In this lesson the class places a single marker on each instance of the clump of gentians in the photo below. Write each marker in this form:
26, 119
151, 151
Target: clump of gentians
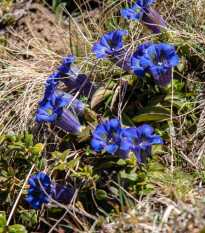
120, 141
53, 109
157, 60
111, 46
147, 14
74, 78
42, 190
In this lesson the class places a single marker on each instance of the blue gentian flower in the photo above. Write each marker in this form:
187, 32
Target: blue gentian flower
142, 49
149, 17
74, 78
111, 46
43, 191
56, 111
49, 94
55, 77
158, 62
52, 92
109, 136
77, 105
142, 141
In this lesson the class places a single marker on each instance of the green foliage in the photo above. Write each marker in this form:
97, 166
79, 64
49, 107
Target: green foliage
17, 228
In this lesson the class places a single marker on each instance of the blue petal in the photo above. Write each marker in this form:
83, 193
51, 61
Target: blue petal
155, 139
115, 125
99, 131
111, 148
145, 130
97, 145
99, 50
45, 180
136, 150
36, 205
31, 182
126, 145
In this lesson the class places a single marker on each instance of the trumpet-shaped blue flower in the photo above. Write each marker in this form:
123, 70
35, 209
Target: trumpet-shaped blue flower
51, 92
142, 49
74, 78
149, 17
158, 61
57, 112
55, 77
42, 190
109, 136
111, 46
142, 140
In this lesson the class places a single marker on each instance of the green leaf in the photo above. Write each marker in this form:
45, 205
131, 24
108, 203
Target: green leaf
10, 171
36, 149
41, 164
90, 115
19, 137
99, 96
159, 149
29, 218
17, 228
121, 162
2, 219
84, 135
61, 167
16, 148
56, 154
28, 140
2, 138
126, 120
100, 194
108, 164
114, 190
152, 113
1, 127
132, 176
65, 154
73, 162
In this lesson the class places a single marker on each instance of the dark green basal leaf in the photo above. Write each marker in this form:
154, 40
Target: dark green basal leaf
100, 194
152, 113
127, 121
108, 164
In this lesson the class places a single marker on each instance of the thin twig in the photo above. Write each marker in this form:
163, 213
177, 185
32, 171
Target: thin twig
16, 202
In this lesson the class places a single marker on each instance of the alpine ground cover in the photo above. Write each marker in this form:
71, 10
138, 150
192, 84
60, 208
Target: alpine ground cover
106, 135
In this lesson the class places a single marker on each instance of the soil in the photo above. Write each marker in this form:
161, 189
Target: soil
35, 25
